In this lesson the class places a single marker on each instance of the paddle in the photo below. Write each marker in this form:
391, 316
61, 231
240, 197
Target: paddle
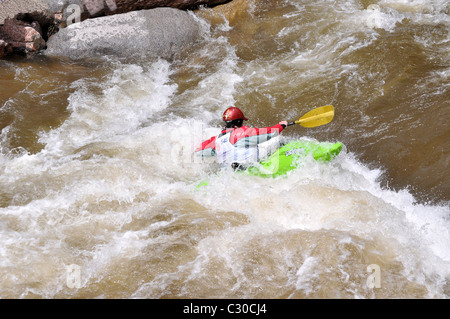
319, 116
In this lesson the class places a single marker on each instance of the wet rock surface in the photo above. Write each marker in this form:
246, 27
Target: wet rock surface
159, 32
48, 17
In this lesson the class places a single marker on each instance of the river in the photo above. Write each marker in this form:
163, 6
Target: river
98, 195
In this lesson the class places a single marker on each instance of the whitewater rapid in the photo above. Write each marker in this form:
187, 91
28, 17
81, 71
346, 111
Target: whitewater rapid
109, 206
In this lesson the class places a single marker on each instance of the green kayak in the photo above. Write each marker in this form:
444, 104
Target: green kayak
289, 156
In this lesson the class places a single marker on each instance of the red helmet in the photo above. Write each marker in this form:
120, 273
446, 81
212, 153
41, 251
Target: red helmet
233, 113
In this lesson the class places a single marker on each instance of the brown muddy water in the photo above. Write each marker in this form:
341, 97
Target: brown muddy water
98, 195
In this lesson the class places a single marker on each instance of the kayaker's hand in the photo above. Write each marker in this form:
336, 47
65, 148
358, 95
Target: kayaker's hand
284, 124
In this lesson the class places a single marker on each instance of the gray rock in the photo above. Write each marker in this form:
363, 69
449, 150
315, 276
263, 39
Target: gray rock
10, 8
159, 32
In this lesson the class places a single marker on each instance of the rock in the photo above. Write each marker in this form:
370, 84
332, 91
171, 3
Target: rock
94, 8
160, 32
29, 11
20, 31
52, 15
23, 37
5, 49
10, 8
105, 7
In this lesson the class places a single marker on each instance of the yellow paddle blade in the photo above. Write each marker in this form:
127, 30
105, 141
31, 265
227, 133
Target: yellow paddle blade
319, 116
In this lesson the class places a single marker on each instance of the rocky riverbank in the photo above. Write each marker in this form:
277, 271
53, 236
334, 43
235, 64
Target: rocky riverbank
26, 26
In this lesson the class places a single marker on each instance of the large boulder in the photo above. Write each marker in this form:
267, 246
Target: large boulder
54, 15
159, 32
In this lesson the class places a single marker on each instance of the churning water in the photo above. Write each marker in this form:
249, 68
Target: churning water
98, 195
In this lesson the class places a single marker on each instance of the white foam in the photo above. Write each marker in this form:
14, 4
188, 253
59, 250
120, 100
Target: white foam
305, 273
344, 196
130, 96
126, 150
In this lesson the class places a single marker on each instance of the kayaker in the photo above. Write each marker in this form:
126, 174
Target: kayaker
237, 144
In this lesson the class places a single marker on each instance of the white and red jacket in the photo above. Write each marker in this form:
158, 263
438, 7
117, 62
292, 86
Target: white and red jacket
238, 145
